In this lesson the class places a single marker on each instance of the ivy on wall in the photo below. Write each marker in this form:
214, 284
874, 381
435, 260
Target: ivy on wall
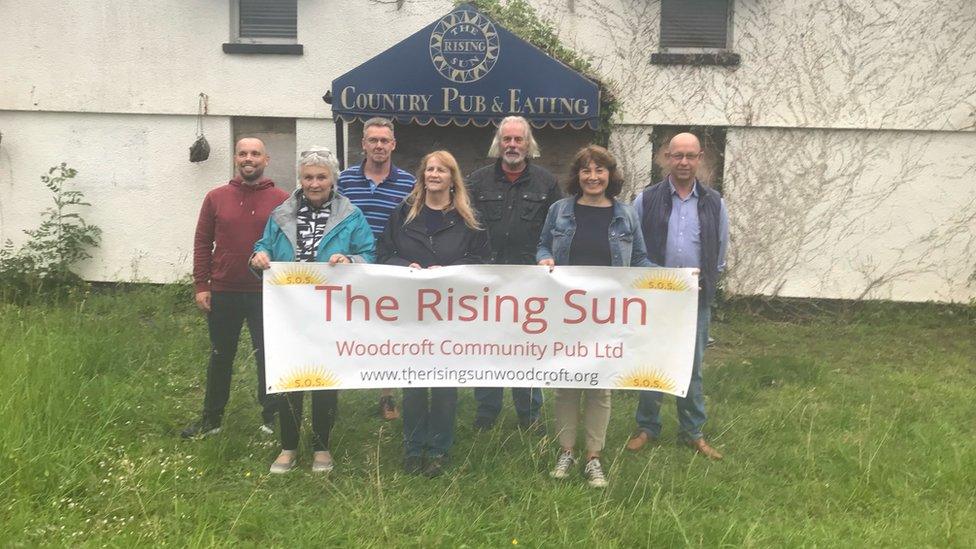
522, 20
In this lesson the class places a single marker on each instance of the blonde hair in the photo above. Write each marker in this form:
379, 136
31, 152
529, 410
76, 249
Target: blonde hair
495, 150
459, 192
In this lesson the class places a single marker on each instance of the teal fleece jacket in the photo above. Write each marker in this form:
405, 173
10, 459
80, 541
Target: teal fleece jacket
347, 232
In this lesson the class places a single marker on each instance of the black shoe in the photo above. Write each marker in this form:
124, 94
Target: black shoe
413, 465
435, 466
532, 426
482, 423
201, 429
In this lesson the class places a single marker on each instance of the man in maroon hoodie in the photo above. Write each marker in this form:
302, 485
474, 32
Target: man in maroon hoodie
231, 220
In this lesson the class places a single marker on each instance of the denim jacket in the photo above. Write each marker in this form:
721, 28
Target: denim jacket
626, 240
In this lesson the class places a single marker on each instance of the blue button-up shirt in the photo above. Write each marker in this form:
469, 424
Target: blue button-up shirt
684, 232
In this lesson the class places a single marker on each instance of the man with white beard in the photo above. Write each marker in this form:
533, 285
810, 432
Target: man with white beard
512, 196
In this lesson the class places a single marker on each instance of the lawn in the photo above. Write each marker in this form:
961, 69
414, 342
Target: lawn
842, 425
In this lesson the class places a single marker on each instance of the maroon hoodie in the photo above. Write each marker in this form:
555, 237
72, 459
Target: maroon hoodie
232, 219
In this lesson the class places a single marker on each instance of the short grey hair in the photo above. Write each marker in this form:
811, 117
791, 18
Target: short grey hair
378, 121
495, 151
322, 157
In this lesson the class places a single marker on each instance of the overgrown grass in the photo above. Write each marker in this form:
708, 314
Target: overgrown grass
850, 426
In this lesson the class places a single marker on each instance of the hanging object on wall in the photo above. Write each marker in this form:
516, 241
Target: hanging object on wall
200, 150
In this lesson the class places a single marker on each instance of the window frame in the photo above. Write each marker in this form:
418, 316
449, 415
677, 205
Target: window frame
272, 130
266, 45
714, 142
677, 55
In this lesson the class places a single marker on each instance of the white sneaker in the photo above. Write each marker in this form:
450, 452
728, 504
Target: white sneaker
322, 462
594, 474
267, 428
280, 466
564, 463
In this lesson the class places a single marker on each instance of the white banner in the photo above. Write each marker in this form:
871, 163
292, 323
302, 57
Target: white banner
376, 326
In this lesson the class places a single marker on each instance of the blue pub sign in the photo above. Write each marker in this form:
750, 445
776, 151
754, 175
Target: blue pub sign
466, 69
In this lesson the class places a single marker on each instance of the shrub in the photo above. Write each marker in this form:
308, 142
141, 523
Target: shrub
41, 268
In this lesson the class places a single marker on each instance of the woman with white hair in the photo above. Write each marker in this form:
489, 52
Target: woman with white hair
314, 224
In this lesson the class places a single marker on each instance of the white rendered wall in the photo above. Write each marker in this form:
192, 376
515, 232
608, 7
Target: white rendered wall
314, 133
852, 214
133, 169
632, 147
156, 57
826, 63
831, 63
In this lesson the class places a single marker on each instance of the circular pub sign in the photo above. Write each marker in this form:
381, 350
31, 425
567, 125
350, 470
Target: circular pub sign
464, 46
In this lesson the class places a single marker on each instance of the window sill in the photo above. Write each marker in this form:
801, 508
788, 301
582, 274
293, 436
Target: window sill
265, 49
722, 59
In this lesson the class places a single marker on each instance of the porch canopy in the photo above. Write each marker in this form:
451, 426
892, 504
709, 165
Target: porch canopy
466, 69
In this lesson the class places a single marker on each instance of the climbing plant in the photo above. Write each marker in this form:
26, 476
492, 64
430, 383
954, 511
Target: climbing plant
524, 21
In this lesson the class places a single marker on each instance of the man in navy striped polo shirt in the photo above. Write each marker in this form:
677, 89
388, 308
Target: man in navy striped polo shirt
377, 187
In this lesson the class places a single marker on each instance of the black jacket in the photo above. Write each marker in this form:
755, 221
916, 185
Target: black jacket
454, 244
513, 212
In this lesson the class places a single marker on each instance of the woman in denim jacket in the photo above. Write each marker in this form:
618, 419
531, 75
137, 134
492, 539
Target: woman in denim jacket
435, 226
589, 228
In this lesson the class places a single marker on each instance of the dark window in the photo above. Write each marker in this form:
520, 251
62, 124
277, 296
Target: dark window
268, 19
278, 135
695, 23
712, 168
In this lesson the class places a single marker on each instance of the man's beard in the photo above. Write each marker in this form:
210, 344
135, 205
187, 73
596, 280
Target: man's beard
513, 160
254, 177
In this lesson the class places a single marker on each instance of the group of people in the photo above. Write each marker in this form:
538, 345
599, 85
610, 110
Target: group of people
512, 212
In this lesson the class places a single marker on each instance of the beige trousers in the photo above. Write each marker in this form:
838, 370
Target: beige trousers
596, 416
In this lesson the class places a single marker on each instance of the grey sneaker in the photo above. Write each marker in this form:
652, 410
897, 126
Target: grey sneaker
322, 462
200, 429
594, 474
285, 462
564, 463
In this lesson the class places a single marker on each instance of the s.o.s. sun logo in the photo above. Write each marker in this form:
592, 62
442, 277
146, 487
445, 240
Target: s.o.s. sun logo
312, 377
661, 281
296, 275
646, 378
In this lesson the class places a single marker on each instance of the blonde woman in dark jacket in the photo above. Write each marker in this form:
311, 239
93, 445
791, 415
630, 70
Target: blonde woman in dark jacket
435, 226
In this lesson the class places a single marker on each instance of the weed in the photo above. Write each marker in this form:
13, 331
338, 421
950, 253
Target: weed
41, 268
